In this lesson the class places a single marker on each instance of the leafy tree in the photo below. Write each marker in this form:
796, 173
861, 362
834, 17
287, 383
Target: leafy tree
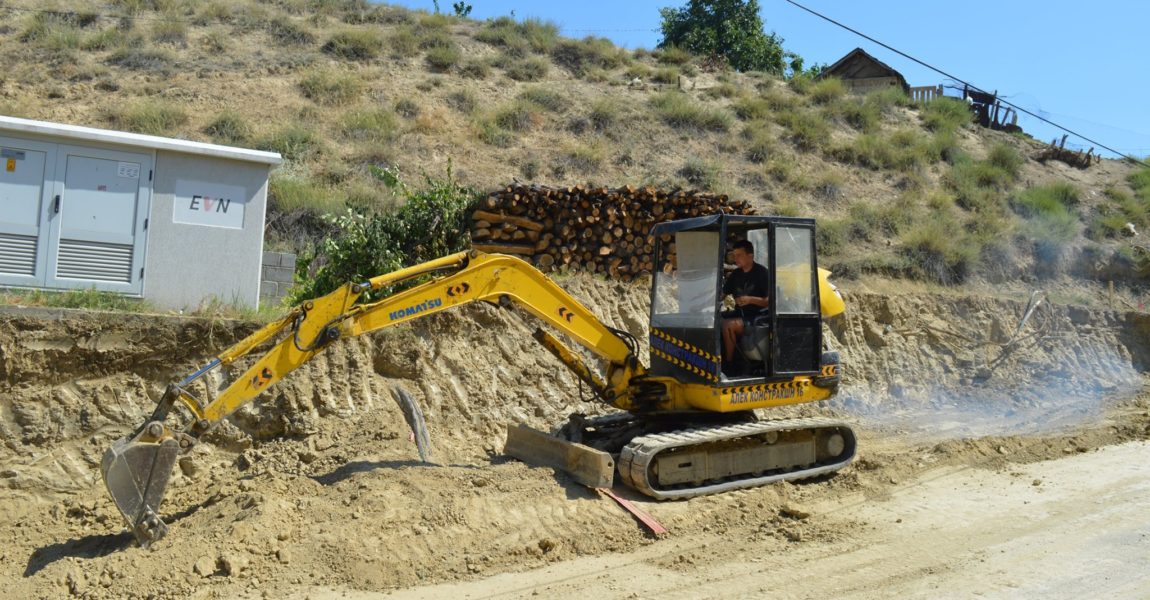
731, 29
432, 222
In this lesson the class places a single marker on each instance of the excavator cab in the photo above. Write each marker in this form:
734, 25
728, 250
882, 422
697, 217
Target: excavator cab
687, 303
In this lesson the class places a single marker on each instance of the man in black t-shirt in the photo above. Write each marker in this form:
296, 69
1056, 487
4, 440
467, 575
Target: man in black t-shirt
750, 287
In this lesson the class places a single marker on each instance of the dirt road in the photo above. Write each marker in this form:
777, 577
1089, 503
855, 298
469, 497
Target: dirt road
314, 490
1070, 528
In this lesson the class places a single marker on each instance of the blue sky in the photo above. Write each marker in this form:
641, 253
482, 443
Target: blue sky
1077, 63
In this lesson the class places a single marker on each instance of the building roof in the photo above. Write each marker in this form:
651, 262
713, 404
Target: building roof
857, 64
14, 125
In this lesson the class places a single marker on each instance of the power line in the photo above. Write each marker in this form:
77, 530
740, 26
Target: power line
970, 85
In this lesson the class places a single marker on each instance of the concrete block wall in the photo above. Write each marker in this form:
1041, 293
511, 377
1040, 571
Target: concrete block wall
276, 277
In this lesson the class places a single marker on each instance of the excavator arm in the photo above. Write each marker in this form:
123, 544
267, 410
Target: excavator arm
136, 469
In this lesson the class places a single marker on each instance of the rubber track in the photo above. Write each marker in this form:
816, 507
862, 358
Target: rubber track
636, 457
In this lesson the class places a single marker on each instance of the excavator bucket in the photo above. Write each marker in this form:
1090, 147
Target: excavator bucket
136, 474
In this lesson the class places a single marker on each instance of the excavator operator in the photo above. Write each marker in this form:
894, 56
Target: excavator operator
749, 285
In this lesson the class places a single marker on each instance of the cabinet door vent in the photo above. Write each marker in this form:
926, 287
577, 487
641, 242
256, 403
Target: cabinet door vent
17, 254
95, 261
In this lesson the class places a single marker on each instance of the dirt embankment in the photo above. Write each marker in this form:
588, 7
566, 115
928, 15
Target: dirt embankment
317, 484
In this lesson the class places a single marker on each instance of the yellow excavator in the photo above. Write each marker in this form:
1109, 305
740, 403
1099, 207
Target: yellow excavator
685, 424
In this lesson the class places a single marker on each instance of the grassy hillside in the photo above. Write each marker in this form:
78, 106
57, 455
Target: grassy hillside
340, 86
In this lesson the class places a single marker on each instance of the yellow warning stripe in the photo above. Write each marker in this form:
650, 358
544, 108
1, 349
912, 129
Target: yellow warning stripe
684, 365
797, 384
680, 343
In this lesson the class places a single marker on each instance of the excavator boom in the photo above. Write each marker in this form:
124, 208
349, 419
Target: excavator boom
136, 469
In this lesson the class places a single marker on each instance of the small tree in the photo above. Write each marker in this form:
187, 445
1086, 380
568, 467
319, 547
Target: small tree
431, 223
731, 29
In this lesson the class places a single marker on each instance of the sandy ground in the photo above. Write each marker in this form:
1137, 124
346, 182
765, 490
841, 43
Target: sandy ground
1069, 528
316, 491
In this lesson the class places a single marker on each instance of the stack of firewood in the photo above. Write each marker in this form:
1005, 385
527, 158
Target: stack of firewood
592, 229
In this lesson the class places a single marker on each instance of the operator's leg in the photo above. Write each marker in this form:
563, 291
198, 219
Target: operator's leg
732, 329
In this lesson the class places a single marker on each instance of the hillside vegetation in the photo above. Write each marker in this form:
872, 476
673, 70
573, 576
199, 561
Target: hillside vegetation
345, 90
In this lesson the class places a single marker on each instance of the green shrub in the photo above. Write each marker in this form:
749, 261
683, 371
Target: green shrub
859, 114
435, 39
442, 59
668, 75
142, 59
465, 101
526, 69
293, 142
673, 55
597, 75
801, 83
701, 174
169, 32
435, 21
432, 222
404, 43
518, 115
407, 108
105, 39
1140, 181
760, 142
779, 102
828, 90
833, 237
723, 90
355, 44
546, 98
604, 114
580, 56
48, 24
586, 158
946, 114
1048, 222
1121, 208
678, 111
489, 132
152, 118
885, 99
292, 194
475, 69
638, 70
289, 33
936, 251
229, 128
531, 35
220, 12
806, 130
902, 150
376, 125
1006, 158
982, 174
1053, 198
328, 87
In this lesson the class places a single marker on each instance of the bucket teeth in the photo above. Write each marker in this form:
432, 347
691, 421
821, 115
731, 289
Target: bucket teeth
136, 474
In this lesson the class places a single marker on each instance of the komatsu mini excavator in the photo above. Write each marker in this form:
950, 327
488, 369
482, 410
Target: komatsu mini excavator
685, 424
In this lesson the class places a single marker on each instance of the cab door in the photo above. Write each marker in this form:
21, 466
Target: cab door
797, 343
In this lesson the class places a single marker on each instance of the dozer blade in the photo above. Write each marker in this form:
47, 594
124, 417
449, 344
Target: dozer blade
136, 474
588, 466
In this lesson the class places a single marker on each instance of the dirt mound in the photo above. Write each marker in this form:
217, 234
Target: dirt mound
317, 485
